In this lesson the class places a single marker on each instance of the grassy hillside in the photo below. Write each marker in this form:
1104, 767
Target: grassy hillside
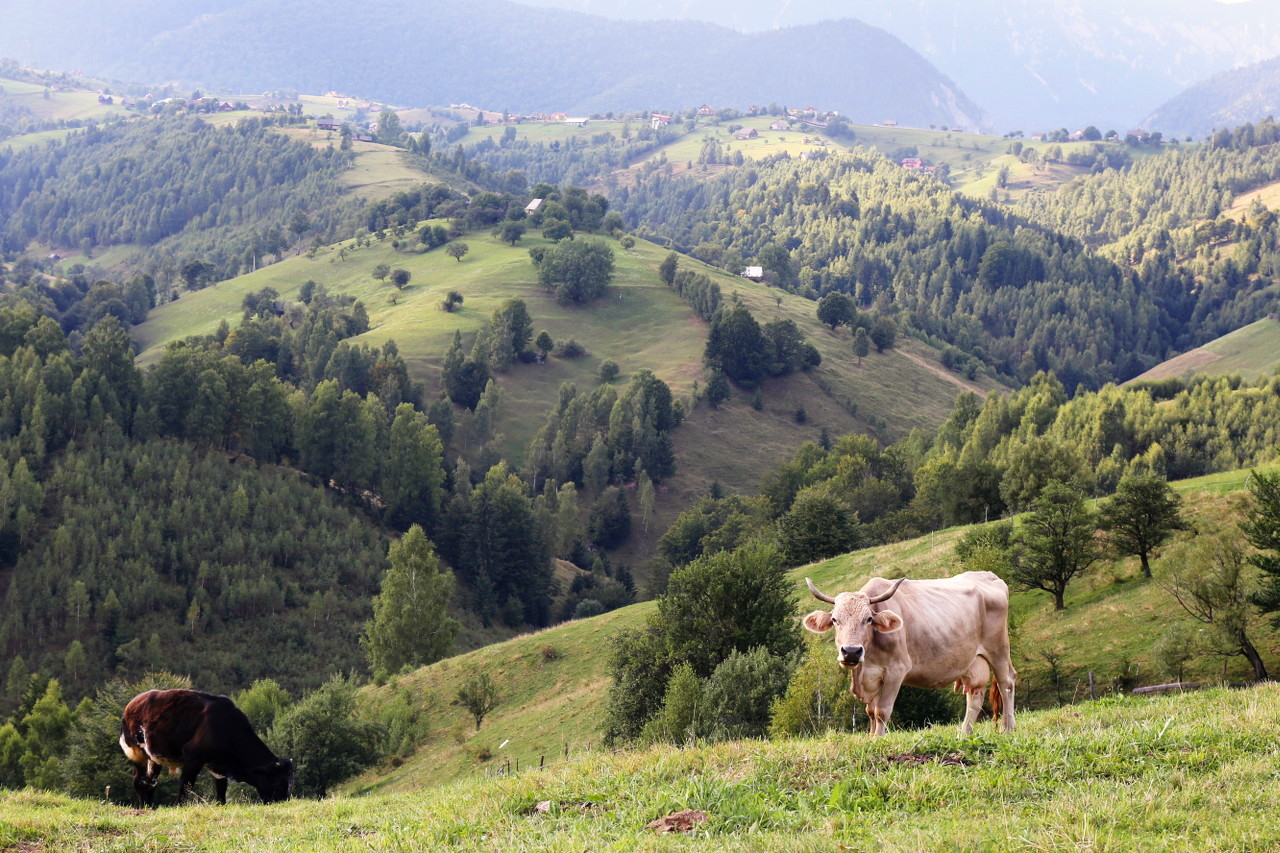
638, 323
1251, 351
554, 682
1179, 772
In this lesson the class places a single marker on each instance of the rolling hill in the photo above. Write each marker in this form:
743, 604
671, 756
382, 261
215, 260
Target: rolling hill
1250, 352
554, 682
639, 323
495, 53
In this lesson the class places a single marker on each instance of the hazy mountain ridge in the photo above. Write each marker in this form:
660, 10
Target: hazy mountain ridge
1228, 99
506, 56
1033, 65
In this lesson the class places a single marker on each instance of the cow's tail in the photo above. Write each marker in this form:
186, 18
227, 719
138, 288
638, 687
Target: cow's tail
997, 700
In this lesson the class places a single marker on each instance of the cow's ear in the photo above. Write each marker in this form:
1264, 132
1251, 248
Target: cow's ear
886, 622
819, 621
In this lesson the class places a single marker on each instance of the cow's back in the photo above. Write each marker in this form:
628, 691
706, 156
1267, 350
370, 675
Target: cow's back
171, 724
947, 622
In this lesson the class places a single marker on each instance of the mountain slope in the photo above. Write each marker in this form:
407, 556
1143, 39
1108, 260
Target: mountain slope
506, 56
640, 323
1234, 97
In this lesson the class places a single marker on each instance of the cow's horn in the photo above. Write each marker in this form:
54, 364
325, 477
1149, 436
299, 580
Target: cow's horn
813, 589
886, 596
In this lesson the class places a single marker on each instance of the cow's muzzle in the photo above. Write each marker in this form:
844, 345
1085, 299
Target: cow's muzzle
849, 656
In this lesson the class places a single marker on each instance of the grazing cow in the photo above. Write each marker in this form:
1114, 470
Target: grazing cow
948, 632
186, 730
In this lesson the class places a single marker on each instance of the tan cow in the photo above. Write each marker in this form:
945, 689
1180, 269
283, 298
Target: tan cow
941, 633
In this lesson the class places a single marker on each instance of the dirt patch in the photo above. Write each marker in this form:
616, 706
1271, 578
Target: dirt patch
683, 821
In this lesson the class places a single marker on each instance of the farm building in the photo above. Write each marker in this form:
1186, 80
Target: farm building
747, 133
533, 207
753, 273
779, 124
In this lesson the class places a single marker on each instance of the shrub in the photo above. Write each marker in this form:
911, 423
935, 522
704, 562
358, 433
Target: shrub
817, 698
325, 738
742, 690
683, 716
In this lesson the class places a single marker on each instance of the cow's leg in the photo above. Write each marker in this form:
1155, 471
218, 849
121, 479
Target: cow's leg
220, 787
972, 682
187, 781
972, 708
880, 708
1006, 676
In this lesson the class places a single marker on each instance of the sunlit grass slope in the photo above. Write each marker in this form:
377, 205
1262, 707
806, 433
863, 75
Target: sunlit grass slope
554, 683
1174, 773
1251, 351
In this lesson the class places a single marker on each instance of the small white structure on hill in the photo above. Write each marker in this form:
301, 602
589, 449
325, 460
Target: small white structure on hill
533, 207
753, 273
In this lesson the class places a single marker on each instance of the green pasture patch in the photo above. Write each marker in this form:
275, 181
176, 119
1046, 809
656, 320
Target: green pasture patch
1167, 773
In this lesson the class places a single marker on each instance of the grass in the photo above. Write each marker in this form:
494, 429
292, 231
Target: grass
1169, 773
34, 140
1251, 351
59, 105
379, 170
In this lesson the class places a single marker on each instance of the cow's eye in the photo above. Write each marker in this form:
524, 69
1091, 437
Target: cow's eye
835, 621
869, 618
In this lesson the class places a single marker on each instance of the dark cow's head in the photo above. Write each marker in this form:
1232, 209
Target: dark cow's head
274, 781
854, 621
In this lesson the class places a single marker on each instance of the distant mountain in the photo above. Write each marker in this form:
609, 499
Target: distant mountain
1224, 100
1033, 64
493, 53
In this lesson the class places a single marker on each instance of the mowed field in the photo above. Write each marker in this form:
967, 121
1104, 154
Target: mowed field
1250, 351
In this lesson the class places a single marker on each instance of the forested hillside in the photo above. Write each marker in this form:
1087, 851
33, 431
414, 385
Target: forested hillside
962, 270
179, 188
1227, 99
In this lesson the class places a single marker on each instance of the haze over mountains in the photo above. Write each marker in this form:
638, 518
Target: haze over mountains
1031, 64
493, 53
1223, 101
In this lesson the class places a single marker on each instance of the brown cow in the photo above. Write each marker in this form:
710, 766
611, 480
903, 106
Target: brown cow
948, 632
187, 730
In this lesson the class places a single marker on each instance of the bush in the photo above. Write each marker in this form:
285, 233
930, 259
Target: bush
569, 349
683, 716
817, 698
325, 738
742, 690
586, 608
